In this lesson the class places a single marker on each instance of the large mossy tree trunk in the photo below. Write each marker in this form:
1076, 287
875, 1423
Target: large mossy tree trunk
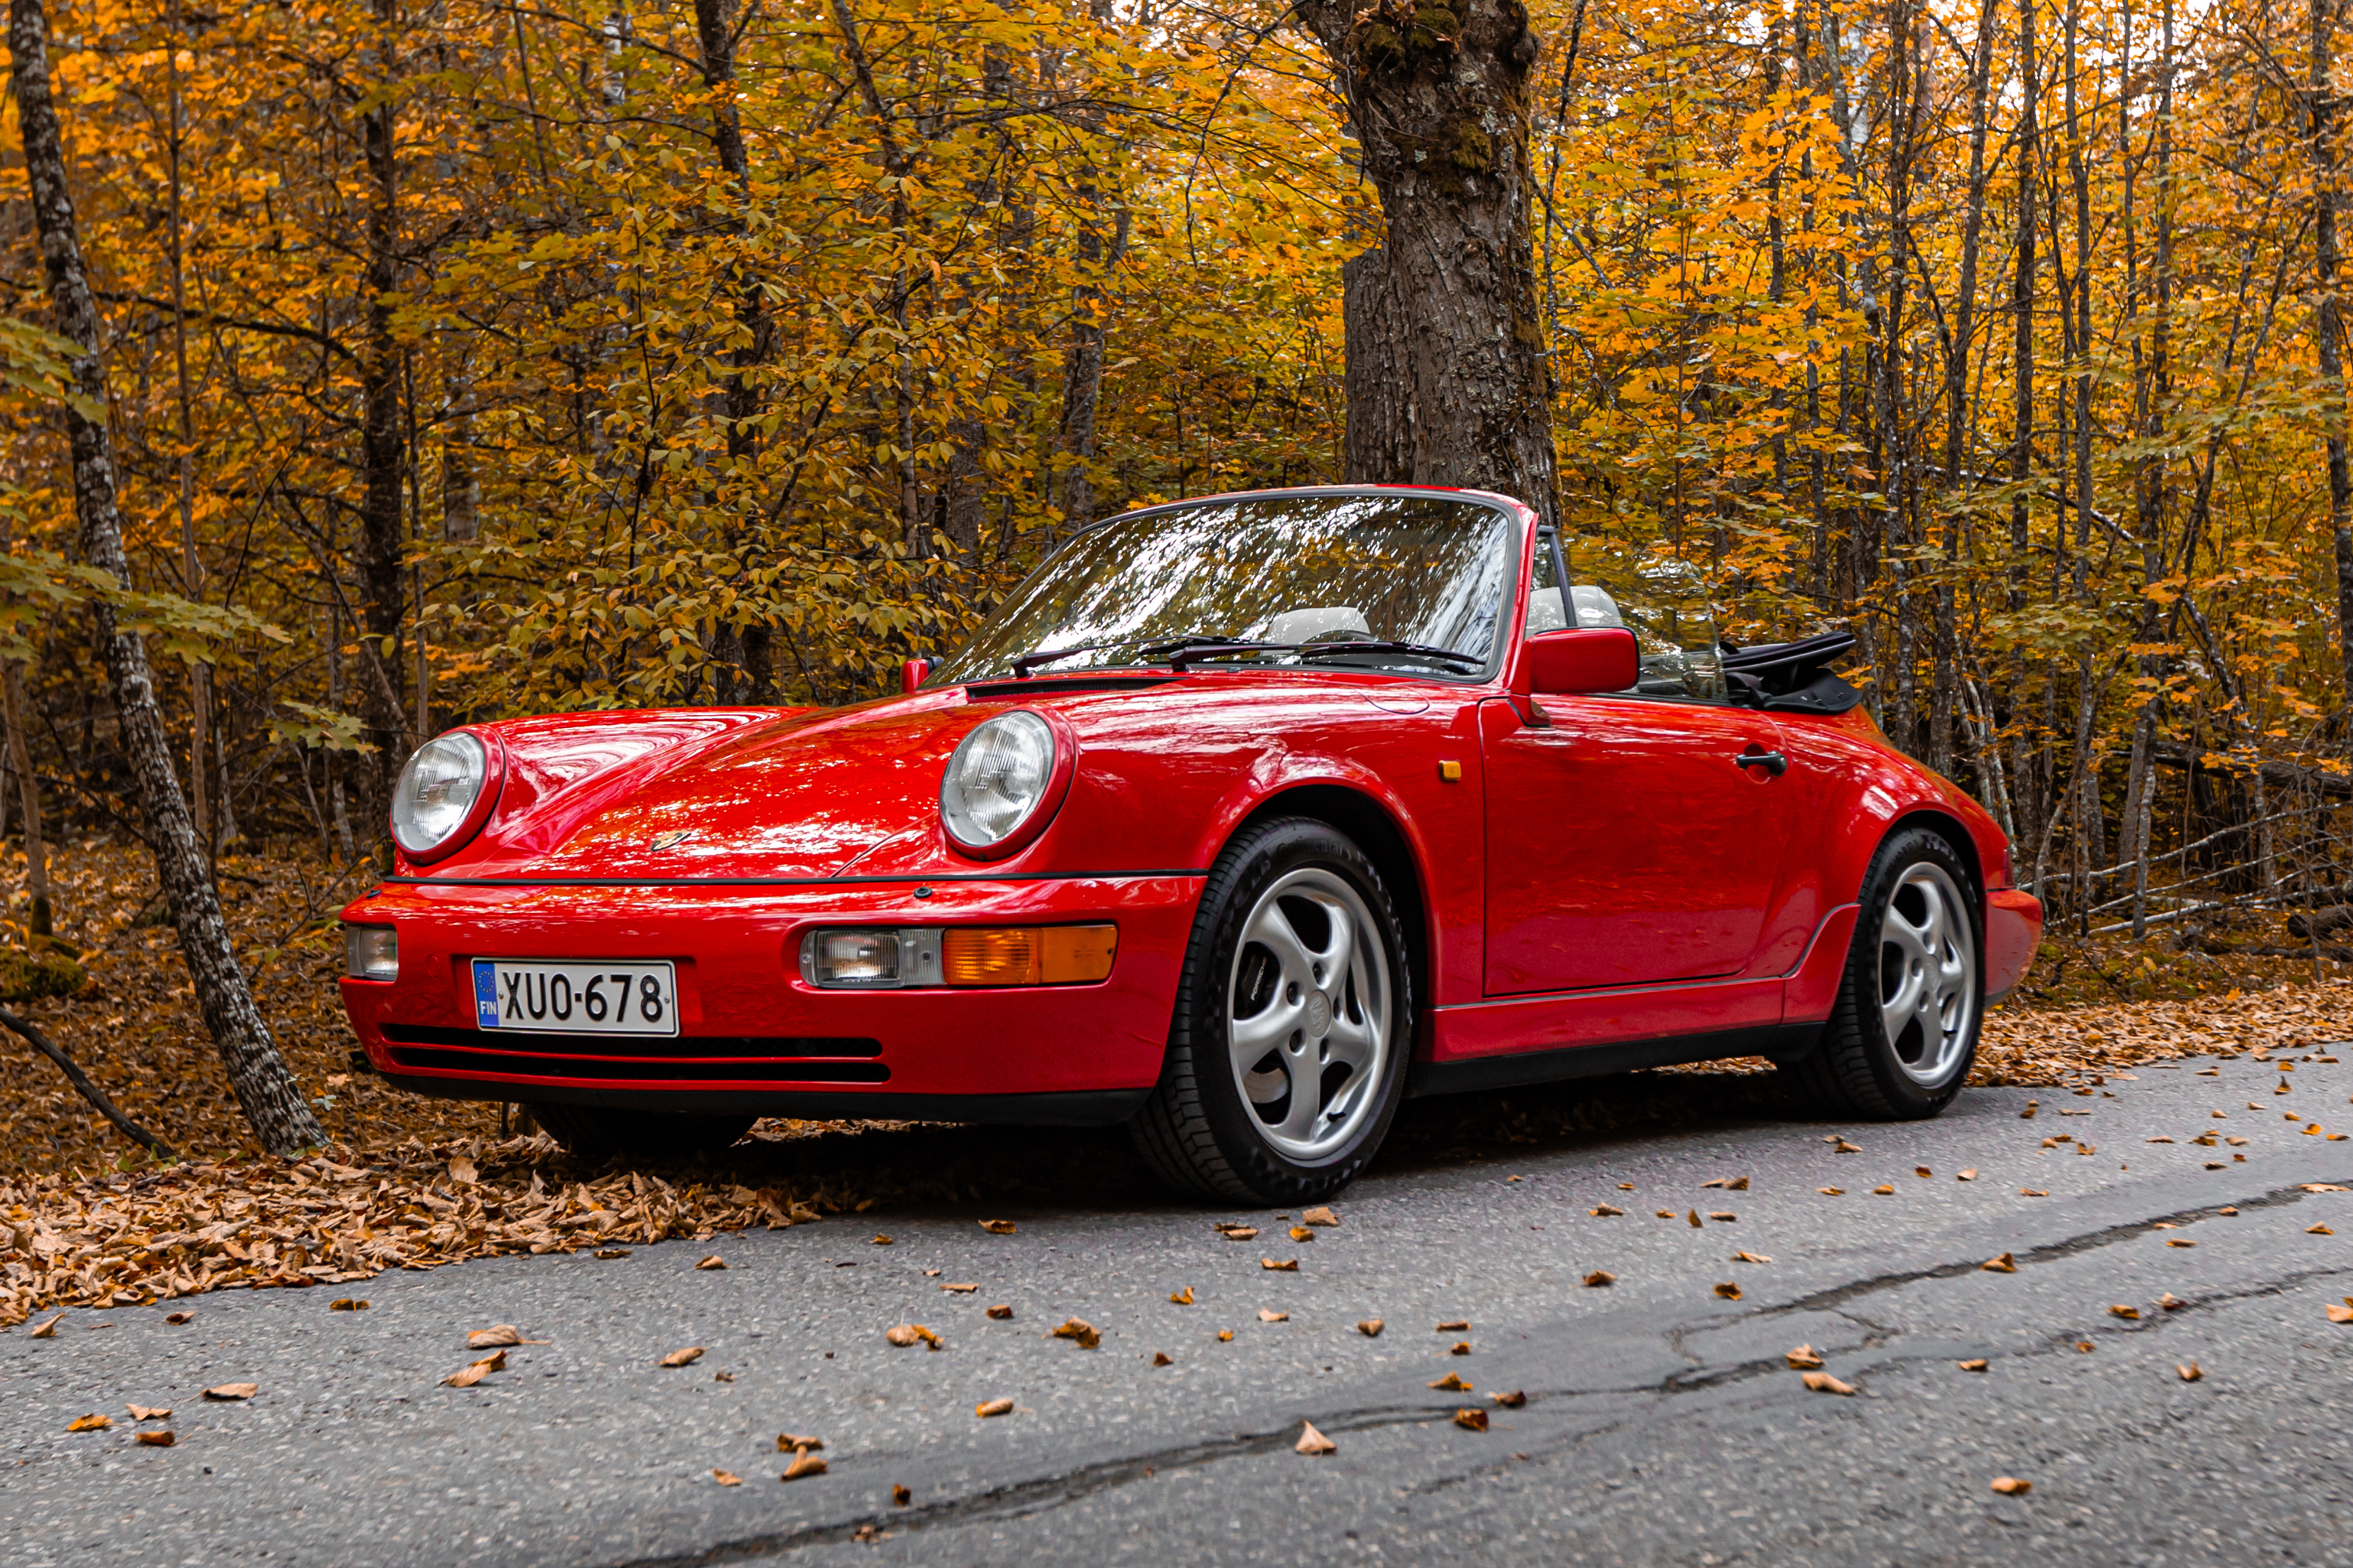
257, 1074
1447, 382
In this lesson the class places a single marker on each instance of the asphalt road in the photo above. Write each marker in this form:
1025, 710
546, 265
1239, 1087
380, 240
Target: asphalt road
1662, 1423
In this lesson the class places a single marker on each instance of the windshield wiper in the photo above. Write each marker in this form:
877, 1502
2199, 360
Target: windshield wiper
1153, 650
1383, 645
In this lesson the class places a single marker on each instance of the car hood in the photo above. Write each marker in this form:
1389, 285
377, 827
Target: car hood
787, 796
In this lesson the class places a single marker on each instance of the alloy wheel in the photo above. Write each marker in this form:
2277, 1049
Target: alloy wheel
1928, 974
1308, 1013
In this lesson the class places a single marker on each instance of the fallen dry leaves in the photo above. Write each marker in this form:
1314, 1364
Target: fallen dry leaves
1287, 1266
1979, 1365
1823, 1383
465, 1377
1729, 1290
1002, 1312
1511, 1401
686, 1357
2129, 1314
1370, 1328
903, 1335
1310, 1441
1322, 1217
1470, 1420
497, 1334
1182, 1298
713, 1261
228, 1391
999, 1226
2189, 1372
2012, 1486
1269, 1315
154, 1439
804, 1465
1804, 1358
1085, 1335
726, 1478
1301, 1232
1729, 1184
1162, 1358
1452, 1384
1599, 1278
148, 1413
90, 1424
993, 1407
342, 1215
1453, 1326
2344, 1314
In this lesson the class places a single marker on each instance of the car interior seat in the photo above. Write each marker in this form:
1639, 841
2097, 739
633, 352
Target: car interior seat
1308, 623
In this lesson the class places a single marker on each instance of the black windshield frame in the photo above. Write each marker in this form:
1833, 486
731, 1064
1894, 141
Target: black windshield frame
1500, 624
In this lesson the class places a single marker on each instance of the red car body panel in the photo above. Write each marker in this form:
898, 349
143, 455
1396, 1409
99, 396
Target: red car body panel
1592, 883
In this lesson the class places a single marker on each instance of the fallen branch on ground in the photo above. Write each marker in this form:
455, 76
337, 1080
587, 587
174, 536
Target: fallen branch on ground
90, 1091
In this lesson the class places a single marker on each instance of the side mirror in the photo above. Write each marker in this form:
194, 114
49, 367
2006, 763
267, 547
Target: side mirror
913, 674
1594, 658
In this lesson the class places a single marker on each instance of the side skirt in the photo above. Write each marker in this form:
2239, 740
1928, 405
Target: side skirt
1783, 1043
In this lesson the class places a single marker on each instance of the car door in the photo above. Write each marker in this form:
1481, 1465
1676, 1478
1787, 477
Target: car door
1624, 844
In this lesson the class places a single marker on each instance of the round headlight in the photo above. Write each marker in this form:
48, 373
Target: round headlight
999, 775
438, 789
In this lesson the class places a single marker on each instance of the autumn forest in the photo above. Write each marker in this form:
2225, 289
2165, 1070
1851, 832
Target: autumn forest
465, 359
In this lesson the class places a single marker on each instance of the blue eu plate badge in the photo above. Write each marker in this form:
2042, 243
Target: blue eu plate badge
486, 994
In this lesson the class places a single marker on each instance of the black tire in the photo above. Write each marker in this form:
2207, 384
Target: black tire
1857, 1069
596, 1131
1198, 1132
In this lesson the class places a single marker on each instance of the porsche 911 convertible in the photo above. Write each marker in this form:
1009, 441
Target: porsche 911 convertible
1243, 819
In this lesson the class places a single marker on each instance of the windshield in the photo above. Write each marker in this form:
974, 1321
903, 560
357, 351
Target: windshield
1314, 573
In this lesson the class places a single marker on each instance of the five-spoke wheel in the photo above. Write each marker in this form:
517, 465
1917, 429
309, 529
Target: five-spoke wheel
1307, 1026
1286, 1054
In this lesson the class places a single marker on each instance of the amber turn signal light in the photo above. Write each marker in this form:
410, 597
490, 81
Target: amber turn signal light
1027, 955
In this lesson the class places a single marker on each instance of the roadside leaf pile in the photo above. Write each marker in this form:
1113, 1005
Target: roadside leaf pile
343, 1215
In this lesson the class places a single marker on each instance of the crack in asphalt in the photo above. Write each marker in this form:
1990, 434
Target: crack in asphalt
1838, 1296
1019, 1500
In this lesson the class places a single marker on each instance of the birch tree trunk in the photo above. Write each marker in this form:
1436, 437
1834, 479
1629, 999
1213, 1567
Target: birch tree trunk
1440, 98
264, 1088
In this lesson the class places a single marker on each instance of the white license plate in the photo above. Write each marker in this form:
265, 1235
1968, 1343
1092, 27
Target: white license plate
618, 996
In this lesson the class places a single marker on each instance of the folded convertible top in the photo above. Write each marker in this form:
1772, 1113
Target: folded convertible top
1791, 676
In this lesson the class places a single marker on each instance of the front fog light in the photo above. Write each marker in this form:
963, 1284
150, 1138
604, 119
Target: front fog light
854, 957
372, 953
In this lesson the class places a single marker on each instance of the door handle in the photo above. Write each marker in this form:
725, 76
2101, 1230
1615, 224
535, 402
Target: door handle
1773, 762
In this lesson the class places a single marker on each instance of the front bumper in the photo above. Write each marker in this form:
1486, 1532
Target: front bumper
754, 1035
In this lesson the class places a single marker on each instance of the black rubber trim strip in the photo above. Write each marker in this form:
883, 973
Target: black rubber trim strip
557, 1043
513, 1068
1083, 1108
1591, 1061
785, 881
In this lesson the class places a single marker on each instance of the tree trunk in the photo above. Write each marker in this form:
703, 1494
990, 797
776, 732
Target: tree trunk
2332, 325
2021, 300
383, 600
256, 1072
36, 850
1440, 100
749, 648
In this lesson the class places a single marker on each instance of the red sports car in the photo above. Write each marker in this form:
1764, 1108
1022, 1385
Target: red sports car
1243, 819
